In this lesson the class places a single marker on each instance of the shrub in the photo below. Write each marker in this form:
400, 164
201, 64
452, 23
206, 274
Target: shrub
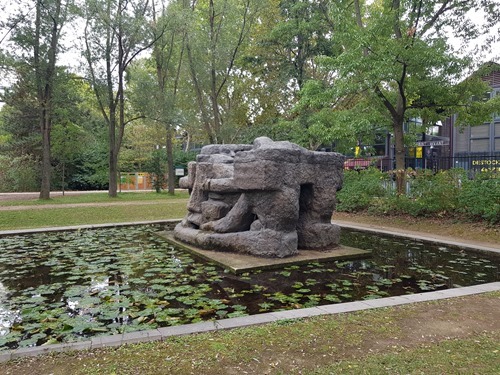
156, 166
19, 174
432, 194
446, 193
480, 198
360, 189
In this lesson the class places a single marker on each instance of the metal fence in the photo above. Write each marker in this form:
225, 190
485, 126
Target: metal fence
471, 163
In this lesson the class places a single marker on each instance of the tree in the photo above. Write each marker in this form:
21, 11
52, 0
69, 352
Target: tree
216, 38
160, 76
300, 34
141, 138
76, 124
20, 116
396, 55
67, 144
116, 32
283, 58
37, 37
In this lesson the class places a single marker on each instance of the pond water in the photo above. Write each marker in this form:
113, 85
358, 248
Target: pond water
68, 286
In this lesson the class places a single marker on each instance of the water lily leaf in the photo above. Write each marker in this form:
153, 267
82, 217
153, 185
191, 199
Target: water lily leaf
303, 290
332, 298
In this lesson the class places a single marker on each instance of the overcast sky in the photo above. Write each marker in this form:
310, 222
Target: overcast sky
72, 57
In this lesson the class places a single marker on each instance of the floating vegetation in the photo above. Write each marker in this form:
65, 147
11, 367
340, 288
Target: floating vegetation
69, 286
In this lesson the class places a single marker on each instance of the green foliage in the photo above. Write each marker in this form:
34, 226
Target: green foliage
156, 165
430, 194
361, 189
19, 173
182, 158
396, 64
156, 168
91, 172
480, 198
444, 194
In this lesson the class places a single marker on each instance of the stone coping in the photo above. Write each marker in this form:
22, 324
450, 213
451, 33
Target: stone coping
14, 232
419, 236
394, 232
165, 333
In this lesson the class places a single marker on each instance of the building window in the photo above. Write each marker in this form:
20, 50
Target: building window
479, 145
495, 93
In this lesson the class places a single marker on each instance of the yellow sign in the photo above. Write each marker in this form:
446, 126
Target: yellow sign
485, 165
419, 153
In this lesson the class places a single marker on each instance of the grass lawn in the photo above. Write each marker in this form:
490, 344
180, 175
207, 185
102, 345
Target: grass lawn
101, 197
93, 208
98, 208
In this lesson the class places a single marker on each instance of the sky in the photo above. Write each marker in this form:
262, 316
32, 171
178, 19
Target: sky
72, 58
494, 53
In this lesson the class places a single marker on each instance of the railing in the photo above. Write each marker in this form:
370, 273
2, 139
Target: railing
471, 163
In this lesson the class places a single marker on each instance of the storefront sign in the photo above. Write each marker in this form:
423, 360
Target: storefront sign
432, 143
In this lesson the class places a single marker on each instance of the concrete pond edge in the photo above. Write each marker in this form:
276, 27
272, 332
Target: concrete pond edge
164, 333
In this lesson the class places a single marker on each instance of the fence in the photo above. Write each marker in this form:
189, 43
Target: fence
135, 181
471, 163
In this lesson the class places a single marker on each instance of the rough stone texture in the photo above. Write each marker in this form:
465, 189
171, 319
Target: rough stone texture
267, 199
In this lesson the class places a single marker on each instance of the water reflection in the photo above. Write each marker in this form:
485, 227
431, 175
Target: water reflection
7, 316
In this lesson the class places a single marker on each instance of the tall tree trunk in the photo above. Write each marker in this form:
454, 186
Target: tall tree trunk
46, 164
113, 170
199, 95
45, 80
400, 157
63, 177
113, 152
170, 161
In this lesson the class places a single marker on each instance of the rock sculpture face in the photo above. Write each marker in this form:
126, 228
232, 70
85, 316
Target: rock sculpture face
267, 199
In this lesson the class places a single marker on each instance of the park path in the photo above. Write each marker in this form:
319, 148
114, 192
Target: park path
5, 197
34, 195
101, 204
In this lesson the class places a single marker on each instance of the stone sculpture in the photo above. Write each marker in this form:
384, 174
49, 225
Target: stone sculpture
268, 199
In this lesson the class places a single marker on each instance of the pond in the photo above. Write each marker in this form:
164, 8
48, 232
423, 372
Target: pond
67, 286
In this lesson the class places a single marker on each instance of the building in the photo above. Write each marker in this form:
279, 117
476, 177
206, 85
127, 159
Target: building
481, 143
445, 146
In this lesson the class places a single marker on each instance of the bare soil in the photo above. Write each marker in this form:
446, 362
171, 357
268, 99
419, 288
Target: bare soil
480, 232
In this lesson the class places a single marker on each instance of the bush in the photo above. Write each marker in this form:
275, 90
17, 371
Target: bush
428, 194
480, 198
433, 194
156, 168
19, 174
91, 169
360, 189
446, 193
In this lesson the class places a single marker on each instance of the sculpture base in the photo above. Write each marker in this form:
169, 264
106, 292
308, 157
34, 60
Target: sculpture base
238, 263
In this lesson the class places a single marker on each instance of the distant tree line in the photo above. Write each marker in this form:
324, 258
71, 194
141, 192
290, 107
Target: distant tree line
157, 77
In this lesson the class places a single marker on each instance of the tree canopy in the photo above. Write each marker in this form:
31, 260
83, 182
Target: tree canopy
184, 72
